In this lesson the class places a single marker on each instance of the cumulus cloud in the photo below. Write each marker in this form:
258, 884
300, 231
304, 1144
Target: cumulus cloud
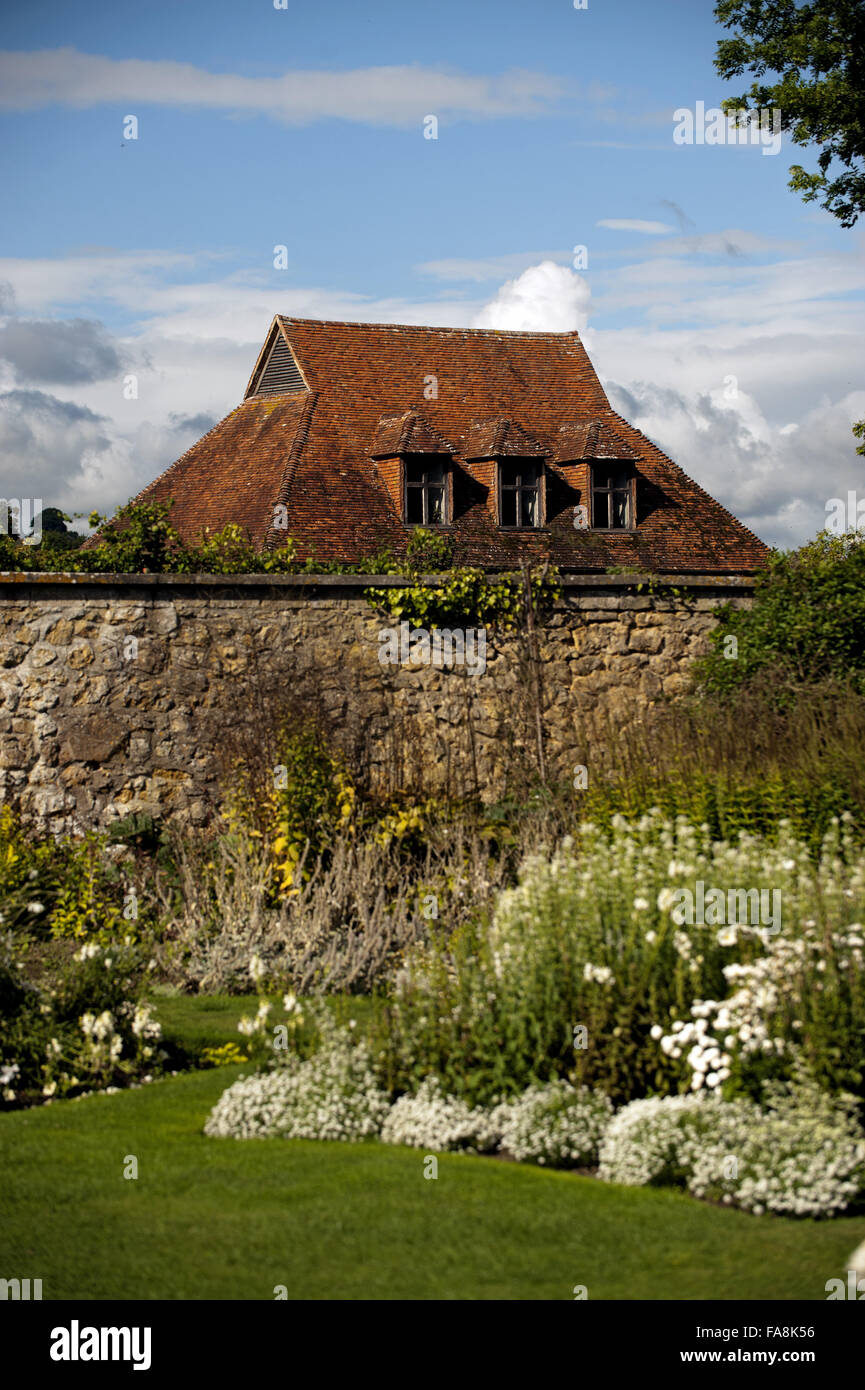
398, 95
61, 352
743, 373
776, 478
545, 298
59, 451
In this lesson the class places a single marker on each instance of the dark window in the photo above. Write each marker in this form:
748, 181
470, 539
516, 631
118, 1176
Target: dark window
611, 498
519, 493
425, 484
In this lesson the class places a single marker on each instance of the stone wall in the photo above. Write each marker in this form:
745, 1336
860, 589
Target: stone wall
122, 694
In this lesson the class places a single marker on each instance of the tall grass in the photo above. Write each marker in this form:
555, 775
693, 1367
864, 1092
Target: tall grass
740, 764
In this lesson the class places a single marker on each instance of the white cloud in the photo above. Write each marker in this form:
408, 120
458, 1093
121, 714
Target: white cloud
627, 224
398, 95
744, 373
545, 298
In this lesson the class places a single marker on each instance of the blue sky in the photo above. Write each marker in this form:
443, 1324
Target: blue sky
724, 315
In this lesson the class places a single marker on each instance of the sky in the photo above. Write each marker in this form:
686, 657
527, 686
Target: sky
140, 263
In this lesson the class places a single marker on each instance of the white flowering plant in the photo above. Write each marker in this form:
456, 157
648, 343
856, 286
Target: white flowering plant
87, 1029
332, 1094
558, 1124
432, 1120
590, 965
799, 1153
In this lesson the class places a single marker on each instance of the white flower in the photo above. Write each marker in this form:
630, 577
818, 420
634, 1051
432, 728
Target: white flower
651, 937
666, 898
256, 968
49, 1089
601, 974
35, 908
727, 936
656, 1031
289, 1003
641, 904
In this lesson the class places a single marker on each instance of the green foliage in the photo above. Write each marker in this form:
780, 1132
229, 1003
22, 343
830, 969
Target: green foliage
83, 1030
308, 800
807, 622
817, 51
468, 598
65, 887
585, 964
428, 552
141, 539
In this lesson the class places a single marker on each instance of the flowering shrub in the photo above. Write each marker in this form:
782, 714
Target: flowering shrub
589, 966
557, 1124
802, 1153
87, 1031
334, 1094
432, 1120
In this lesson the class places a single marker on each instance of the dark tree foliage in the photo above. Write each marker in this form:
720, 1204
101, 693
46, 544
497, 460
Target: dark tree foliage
816, 52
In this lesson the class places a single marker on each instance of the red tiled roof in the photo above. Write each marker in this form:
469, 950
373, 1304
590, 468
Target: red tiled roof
329, 452
407, 434
495, 439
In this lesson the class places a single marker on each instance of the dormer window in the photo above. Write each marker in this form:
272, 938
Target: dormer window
519, 493
612, 497
425, 491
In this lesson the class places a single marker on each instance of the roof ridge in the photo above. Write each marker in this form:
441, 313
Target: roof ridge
298, 443
434, 328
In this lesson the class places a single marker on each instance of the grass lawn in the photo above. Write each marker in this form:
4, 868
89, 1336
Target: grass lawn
211, 1218
193, 1022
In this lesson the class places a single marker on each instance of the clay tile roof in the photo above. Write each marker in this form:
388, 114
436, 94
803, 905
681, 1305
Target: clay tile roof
590, 439
342, 402
407, 434
501, 438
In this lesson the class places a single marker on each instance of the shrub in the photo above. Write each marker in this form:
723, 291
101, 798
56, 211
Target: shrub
88, 1031
332, 1095
80, 888
558, 1124
800, 1154
429, 1119
807, 622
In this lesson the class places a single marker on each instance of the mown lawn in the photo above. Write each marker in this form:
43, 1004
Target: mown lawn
193, 1022
225, 1219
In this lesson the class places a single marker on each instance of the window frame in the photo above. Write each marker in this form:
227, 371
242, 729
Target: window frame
518, 489
422, 461
629, 491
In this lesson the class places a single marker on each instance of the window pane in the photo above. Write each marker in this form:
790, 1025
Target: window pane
529, 507
509, 508
414, 472
619, 508
414, 506
435, 471
600, 515
508, 474
436, 505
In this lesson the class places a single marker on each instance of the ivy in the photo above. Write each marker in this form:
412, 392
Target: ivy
467, 597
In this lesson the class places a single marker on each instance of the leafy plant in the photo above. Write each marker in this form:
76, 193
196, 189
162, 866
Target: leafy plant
806, 624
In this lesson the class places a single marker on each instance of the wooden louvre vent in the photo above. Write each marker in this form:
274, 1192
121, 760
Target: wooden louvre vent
281, 373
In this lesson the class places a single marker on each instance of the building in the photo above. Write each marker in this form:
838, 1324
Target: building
352, 434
